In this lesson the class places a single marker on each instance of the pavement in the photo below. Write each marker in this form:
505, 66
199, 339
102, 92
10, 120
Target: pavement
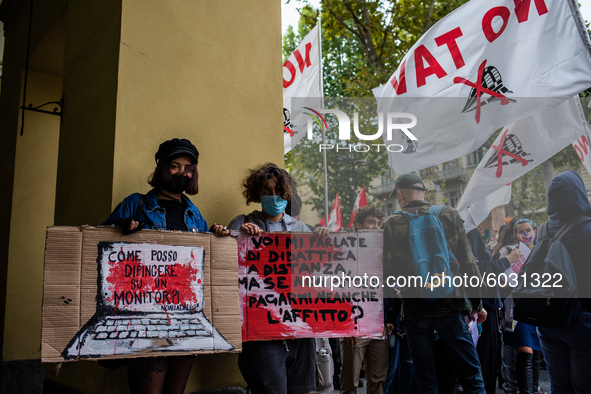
544, 385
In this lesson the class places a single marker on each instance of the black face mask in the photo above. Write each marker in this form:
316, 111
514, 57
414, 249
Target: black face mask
177, 184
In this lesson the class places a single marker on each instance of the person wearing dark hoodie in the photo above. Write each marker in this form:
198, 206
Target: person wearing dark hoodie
567, 350
274, 367
488, 347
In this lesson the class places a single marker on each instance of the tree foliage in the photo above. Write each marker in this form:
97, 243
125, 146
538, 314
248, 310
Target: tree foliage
363, 42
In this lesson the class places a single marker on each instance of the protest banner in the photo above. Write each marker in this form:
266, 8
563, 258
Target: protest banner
581, 146
150, 293
301, 78
478, 211
483, 66
293, 285
521, 147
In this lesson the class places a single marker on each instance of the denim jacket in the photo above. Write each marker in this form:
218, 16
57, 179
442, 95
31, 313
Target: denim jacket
154, 215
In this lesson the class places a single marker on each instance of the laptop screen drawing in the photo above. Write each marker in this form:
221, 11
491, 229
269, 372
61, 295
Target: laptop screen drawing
149, 299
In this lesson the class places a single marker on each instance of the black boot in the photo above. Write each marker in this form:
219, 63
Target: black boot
525, 373
537, 357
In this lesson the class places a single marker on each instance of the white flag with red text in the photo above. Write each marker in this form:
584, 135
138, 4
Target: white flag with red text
361, 201
522, 146
301, 78
485, 65
583, 150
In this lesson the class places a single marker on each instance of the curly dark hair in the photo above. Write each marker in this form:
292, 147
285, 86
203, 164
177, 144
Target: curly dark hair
294, 204
257, 177
162, 176
369, 210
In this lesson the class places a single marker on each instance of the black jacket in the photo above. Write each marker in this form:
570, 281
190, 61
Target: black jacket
487, 265
567, 199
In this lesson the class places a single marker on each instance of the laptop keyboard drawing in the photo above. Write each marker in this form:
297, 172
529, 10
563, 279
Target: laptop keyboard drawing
149, 299
153, 326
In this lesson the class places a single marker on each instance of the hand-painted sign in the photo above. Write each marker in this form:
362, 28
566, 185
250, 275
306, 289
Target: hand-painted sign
149, 297
146, 296
295, 285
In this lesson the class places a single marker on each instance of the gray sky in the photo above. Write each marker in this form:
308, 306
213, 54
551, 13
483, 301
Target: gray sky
290, 16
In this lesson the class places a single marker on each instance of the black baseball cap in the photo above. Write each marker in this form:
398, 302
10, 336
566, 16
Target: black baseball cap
176, 147
408, 181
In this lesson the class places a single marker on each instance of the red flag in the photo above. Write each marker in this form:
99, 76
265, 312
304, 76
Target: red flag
335, 219
361, 201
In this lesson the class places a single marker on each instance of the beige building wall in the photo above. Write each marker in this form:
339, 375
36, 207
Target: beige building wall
203, 70
135, 73
33, 203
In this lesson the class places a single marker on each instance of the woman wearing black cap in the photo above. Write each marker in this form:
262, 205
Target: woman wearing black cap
164, 207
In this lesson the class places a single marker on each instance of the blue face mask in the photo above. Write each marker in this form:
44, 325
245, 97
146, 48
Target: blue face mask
273, 205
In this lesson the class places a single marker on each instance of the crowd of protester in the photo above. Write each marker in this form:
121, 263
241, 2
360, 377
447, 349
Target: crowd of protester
426, 346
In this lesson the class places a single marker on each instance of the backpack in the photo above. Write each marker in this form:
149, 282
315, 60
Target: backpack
430, 254
538, 300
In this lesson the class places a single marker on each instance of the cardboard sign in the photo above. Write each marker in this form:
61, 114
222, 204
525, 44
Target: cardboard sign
286, 279
108, 296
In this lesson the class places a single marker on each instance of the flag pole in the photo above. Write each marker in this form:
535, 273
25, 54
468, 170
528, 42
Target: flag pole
326, 211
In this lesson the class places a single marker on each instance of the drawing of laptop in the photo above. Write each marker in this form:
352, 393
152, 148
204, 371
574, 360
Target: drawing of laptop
149, 299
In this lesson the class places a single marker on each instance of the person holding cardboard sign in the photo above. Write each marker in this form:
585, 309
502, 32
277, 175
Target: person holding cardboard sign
165, 207
274, 367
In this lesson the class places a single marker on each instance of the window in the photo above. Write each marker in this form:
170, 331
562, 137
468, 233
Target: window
386, 178
428, 171
475, 157
453, 197
389, 208
451, 164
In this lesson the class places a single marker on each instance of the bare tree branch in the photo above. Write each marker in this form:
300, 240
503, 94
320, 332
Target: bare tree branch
359, 24
362, 31
427, 22
387, 30
342, 22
